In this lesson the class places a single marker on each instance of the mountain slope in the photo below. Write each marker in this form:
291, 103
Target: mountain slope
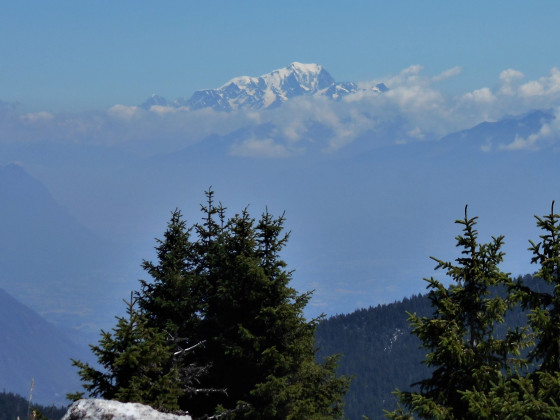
378, 349
48, 260
490, 136
33, 349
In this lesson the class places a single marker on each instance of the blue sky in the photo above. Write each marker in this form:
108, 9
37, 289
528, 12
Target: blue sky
84, 55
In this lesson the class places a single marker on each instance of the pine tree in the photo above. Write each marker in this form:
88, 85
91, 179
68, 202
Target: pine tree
535, 394
230, 330
136, 362
544, 317
170, 300
519, 396
174, 302
460, 338
257, 340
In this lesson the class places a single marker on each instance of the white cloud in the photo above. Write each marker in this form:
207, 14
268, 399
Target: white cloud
483, 95
533, 88
161, 110
413, 109
37, 117
412, 70
123, 111
544, 87
549, 133
510, 79
521, 143
452, 72
511, 75
416, 133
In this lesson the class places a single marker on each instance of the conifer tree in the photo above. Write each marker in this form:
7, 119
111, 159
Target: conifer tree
535, 394
261, 346
257, 341
460, 339
221, 290
170, 300
135, 359
544, 317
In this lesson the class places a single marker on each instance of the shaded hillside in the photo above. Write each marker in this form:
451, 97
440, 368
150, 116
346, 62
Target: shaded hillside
378, 350
33, 349
14, 406
48, 260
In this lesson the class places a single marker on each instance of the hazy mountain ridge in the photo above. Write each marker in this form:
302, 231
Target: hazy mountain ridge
47, 258
491, 136
33, 349
267, 91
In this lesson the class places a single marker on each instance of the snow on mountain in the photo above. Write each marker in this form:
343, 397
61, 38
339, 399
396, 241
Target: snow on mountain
267, 91
155, 100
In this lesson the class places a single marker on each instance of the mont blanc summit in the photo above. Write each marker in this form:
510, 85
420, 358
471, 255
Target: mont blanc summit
267, 91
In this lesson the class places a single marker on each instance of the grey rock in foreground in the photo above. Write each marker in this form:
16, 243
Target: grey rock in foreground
95, 409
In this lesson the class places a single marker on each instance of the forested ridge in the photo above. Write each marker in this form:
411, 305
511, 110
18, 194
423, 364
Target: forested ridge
487, 344
13, 406
380, 353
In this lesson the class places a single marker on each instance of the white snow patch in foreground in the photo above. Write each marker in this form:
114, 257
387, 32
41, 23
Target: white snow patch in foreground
96, 409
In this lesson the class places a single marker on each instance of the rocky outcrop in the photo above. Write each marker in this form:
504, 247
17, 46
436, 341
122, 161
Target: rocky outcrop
94, 409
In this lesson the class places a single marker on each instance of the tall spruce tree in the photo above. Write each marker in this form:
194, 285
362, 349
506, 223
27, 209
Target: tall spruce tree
260, 345
544, 316
220, 289
535, 394
460, 338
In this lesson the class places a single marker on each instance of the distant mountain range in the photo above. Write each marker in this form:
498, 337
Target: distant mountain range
267, 91
490, 136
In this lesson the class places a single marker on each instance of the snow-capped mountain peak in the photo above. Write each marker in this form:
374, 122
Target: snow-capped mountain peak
267, 91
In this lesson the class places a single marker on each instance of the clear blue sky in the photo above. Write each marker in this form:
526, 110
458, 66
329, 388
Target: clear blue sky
83, 55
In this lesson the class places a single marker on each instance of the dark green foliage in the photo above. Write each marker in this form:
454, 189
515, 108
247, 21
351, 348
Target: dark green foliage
544, 317
537, 393
136, 361
378, 351
257, 341
226, 327
171, 300
460, 337
13, 406
534, 396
